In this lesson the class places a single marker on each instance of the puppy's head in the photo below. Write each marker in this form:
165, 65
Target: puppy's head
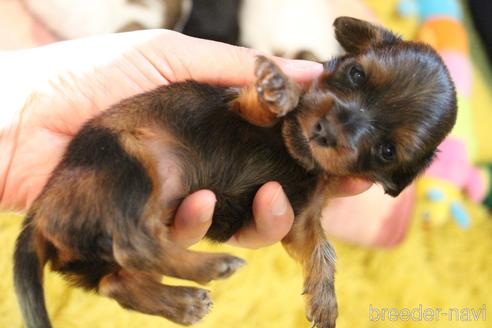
378, 112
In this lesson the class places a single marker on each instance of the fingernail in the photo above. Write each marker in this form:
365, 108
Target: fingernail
207, 213
279, 203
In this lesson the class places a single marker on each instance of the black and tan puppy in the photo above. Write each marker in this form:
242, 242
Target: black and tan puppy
378, 112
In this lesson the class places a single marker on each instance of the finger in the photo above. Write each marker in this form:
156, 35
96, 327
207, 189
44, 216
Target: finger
298, 69
352, 186
180, 57
273, 218
193, 218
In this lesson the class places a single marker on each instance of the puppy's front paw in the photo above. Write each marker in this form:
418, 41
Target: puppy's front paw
321, 304
274, 88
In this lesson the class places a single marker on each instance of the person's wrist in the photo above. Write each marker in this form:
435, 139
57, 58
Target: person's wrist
12, 104
8, 137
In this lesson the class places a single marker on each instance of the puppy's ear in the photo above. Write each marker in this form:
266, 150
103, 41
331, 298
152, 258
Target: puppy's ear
356, 35
394, 182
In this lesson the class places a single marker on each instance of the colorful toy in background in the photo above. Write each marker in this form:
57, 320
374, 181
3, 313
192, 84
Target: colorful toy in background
448, 181
452, 177
425, 9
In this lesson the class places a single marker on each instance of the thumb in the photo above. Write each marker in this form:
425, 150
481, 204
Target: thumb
193, 218
181, 57
273, 218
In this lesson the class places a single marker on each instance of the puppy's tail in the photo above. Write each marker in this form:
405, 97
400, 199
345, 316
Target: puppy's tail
28, 280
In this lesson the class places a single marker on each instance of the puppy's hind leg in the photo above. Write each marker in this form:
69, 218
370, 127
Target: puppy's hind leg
146, 247
140, 229
143, 293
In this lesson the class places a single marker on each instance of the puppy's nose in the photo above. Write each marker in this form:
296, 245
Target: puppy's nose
323, 133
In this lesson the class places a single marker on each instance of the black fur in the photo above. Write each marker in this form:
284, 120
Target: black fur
28, 280
212, 132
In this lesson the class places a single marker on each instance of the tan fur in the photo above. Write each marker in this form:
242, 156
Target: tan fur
306, 242
248, 106
142, 292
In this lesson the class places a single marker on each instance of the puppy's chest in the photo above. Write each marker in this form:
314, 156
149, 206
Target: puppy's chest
233, 159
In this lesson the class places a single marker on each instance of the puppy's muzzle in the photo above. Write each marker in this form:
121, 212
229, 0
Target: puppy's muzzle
323, 133
343, 126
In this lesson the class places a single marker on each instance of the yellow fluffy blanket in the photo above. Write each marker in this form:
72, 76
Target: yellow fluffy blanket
448, 268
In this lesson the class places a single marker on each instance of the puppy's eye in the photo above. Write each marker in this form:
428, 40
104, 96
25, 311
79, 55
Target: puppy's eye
387, 152
357, 75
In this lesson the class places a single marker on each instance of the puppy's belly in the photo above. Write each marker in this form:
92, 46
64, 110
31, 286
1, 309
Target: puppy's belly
179, 171
232, 158
171, 182
166, 165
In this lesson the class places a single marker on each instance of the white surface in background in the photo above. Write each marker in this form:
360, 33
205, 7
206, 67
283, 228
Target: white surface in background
288, 26
90, 17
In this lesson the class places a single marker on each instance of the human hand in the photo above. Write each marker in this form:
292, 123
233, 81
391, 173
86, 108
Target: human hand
53, 90
273, 215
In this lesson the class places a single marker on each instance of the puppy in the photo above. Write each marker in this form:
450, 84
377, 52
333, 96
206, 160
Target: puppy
378, 112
